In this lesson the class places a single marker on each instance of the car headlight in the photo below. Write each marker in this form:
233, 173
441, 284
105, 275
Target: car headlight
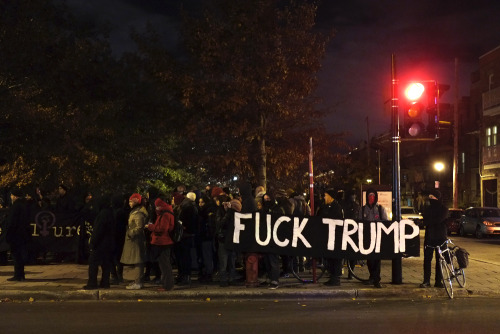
487, 223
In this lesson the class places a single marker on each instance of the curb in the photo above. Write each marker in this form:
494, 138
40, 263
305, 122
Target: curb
208, 295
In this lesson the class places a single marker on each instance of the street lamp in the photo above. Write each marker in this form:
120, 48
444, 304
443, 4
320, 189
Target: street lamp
439, 167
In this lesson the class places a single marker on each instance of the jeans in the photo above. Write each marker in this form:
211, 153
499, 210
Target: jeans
227, 268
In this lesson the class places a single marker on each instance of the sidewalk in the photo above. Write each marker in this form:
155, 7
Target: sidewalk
54, 282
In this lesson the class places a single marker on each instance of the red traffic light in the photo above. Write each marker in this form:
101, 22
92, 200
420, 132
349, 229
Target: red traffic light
414, 91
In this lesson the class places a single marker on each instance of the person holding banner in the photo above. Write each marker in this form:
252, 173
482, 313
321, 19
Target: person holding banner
332, 209
373, 212
435, 235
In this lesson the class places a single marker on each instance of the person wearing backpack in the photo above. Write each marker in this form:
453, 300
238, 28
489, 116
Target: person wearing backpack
161, 243
373, 212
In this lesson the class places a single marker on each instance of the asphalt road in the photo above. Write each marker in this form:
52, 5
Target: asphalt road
468, 315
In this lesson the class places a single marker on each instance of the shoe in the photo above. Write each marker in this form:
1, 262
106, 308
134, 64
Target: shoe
134, 286
332, 282
439, 285
264, 284
89, 287
146, 278
425, 285
16, 279
157, 281
273, 285
377, 285
368, 282
185, 281
224, 284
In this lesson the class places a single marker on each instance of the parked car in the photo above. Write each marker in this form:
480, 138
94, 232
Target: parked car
480, 221
453, 220
409, 212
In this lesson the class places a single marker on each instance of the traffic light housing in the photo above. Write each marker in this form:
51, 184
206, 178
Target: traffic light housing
418, 102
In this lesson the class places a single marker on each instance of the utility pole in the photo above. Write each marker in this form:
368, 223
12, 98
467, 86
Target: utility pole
455, 139
397, 263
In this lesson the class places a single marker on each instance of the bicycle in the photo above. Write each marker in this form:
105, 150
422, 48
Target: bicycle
303, 269
449, 267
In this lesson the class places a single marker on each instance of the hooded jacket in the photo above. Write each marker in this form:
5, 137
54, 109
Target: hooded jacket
374, 212
163, 225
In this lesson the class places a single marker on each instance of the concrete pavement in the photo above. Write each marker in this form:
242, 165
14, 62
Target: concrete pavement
64, 281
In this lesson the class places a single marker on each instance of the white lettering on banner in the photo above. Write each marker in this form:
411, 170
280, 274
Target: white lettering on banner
351, 231
297, 232
404, 236
346, 238
278, 242
332, 225
257, 230
394, 229
238, 226
373, 236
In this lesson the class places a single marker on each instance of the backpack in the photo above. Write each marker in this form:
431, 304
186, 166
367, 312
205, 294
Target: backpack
462, 257
177, 231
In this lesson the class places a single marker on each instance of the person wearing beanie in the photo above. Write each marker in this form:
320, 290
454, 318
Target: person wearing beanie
373, 212
134, 249
435, 235
330, 208
18, 233
216, 191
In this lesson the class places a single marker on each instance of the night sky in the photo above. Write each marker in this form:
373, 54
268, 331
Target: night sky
426, 36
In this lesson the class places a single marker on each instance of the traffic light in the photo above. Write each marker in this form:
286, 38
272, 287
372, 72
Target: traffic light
418, 101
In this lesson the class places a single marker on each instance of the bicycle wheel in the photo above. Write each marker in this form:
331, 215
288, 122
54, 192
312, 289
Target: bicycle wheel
459, 272
357, 269
446, 274
302, 269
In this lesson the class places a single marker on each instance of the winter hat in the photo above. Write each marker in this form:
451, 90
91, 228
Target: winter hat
178, 198
236, 205
280, 193
17, 192
216, 191
191, 196
331, 192
136, 198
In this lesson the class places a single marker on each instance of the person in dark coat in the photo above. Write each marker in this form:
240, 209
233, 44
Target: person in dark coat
435, 235
332, 209
189, 216
120, 213
101, 245
18, 233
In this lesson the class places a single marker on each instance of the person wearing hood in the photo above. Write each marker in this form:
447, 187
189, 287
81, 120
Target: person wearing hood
373, 212
161, 243
435, 235
101, 245
134, 249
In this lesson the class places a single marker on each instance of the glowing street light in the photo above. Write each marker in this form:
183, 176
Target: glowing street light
439, 167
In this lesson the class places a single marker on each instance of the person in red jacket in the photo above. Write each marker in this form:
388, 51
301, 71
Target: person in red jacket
161, 243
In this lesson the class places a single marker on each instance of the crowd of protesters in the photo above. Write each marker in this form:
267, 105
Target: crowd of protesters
134, 230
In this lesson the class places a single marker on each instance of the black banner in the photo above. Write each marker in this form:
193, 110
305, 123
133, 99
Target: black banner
324, 237
51, 232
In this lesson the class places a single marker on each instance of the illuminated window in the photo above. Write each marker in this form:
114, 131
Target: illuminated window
491, 136
462, 156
